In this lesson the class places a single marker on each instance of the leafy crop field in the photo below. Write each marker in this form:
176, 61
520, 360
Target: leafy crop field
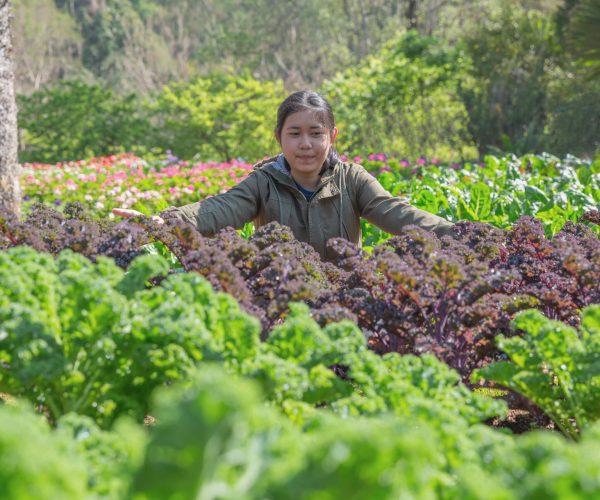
267, 373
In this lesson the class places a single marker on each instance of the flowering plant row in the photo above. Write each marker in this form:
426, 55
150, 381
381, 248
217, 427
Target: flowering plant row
128, 181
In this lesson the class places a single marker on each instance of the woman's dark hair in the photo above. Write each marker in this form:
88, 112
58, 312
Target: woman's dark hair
304, 100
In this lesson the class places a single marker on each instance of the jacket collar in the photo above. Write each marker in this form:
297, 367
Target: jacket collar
276, 167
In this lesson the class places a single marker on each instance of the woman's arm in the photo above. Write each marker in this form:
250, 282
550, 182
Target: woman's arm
390, 213
234, 208
128, 213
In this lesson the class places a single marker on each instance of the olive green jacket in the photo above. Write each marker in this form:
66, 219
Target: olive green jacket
345, 193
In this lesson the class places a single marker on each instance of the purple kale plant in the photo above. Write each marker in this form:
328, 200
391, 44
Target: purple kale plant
415, 293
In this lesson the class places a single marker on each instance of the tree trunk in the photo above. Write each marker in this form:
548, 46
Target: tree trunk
411, 14
9, 168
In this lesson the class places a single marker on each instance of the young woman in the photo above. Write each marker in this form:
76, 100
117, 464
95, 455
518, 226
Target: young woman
307, 187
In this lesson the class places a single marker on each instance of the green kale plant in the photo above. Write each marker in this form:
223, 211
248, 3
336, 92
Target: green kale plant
35, 462
332, 367
216, 438
554, 366
110, 457
75, 460
88, 338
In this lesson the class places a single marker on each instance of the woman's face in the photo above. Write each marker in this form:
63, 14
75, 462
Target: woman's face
305, 142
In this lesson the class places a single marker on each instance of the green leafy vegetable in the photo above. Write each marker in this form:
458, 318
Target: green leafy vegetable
555, 367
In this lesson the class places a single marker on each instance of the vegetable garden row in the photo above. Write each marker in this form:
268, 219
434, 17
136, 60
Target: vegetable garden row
146, 361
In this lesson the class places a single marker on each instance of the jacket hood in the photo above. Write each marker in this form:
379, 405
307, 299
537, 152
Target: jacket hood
278, 162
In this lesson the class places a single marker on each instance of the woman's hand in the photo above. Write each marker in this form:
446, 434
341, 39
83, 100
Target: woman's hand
128, 213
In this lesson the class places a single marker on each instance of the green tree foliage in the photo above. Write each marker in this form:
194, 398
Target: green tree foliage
404, 100
513, 55
301, 42
297, 42
584, 34
120, 47
220, 117
140, 45
498, 77
47, 45
573, 121
562, 15
74, 120
573, 124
